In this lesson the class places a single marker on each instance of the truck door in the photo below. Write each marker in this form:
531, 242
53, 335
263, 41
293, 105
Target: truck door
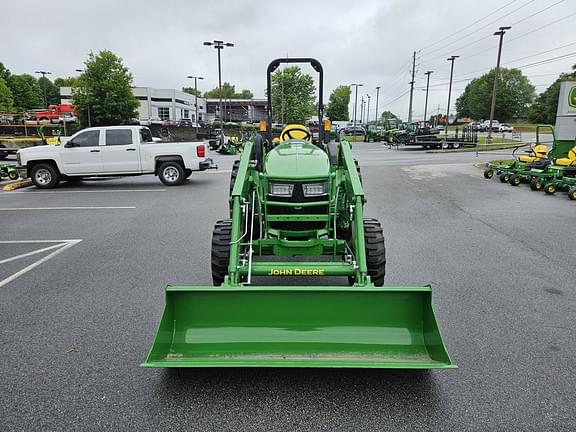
120, 152
81, 155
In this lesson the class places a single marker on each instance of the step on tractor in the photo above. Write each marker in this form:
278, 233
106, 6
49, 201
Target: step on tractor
296, 228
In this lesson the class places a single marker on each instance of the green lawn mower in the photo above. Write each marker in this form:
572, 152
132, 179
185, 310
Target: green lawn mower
297, 218
9, 170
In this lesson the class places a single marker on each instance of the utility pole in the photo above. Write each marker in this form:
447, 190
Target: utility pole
427, 86
362, 111
196, 78
219, 45
377, 94
412, 87
451, 59
501, 34
368, 109
355, 102
44, 73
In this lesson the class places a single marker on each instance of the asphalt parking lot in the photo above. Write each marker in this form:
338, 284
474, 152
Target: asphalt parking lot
81, 293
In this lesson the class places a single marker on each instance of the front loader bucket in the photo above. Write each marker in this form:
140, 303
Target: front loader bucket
250, 326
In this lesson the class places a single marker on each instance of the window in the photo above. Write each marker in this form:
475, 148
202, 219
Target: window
118, 137
146, 135
186, 114
164, 113
87, 139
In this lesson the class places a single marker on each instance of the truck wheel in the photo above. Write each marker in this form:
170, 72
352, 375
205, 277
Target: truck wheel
375, 251
45, 176
455, 145
171, 173
221, 237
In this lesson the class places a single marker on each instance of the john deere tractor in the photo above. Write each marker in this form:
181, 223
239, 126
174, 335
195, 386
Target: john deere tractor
296, 219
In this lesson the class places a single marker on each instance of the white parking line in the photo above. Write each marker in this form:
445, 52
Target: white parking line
64, 208
61, 246
86, 191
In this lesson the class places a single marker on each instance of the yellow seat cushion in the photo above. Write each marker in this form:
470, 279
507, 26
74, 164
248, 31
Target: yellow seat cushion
527, 159
568, 161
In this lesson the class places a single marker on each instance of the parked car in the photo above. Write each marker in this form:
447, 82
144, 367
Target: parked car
148, 121
505, 127
112, 151
495, 125
169, 123
185, 123
351, 131
475, 126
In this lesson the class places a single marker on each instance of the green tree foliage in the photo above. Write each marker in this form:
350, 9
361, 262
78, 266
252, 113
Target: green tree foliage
388, 115
52, 91
105, 88
65, 82
4, 72
544, 108
338, 102
292, 95
228, 92
6, 99
192, 91
25, 91
514, 95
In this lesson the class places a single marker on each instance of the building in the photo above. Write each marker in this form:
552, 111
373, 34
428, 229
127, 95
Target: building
165, 104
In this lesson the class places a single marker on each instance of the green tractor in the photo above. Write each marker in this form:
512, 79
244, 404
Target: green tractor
297, 218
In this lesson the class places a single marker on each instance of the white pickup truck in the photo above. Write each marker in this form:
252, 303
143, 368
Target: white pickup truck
113, 151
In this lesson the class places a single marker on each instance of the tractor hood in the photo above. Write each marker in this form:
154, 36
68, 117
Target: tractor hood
297, 159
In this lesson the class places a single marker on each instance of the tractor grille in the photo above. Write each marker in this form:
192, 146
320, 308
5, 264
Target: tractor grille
297, 197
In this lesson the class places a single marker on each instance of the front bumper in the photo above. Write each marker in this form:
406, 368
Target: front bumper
22, 171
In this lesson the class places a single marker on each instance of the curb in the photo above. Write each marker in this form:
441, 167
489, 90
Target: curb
22, 183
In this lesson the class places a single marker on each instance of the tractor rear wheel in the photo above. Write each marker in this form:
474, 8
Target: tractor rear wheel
375, 251
221, 237
536, 184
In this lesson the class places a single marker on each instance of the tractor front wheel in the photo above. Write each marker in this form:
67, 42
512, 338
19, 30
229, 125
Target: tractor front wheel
514, 180
536, 184
488, 173
550, 189
221, 237
504, 177
375, 251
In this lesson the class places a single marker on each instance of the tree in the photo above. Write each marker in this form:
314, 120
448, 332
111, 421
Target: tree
25, 91
4, 72
514, 95
52, 91
228, 92
192, 91
105, 88
338, 102
292, 95
65, 82
388, 115
544, 109
6, 99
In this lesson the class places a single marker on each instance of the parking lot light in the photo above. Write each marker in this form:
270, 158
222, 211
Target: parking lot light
196, 78
493, 105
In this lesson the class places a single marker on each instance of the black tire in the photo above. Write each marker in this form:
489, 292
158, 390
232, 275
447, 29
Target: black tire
488, 173
455, 145
13, 175
536, 184
171, 173
221, 237
514, 180
550, 189
234, 174
504, 177
45, 176
572, 193
359, 171
375, 251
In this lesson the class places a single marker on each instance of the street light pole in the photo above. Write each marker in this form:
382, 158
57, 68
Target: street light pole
356, 102
368, 109
44, 73
362, 111
427, 86
196, 78
376, 115
88, 101
451, 59
493, 106
219, 45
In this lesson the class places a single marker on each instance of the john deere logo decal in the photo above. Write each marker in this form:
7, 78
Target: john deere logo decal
572, 97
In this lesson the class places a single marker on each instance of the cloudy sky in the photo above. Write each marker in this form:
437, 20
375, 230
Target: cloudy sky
364, 41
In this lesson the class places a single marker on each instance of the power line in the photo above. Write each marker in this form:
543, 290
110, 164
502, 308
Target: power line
540, 28
536, 13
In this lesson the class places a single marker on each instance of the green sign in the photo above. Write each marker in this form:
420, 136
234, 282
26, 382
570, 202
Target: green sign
572, 97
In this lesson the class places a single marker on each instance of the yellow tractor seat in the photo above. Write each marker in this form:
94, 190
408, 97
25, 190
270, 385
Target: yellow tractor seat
295, 131
538, 152
568, 161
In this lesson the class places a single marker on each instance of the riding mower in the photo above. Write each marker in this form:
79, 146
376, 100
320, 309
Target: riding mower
297, 218
9, 170
535, 159
559, 176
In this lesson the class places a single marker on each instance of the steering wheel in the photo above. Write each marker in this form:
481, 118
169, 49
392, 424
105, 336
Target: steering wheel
289, 134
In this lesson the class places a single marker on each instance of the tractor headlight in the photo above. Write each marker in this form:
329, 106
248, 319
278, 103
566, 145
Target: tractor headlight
315, 189
281, 189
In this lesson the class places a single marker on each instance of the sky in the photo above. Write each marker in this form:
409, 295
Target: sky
366, 41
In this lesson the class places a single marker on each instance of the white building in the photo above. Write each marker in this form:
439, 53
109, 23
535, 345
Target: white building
166, 104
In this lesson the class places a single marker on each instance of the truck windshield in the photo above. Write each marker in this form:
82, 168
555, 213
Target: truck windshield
146, 135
